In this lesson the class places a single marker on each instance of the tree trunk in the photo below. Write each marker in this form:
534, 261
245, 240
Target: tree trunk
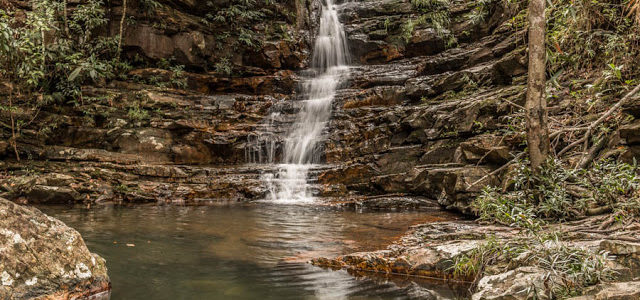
43, 50
13, 124
124, 14
536, 105
66, 23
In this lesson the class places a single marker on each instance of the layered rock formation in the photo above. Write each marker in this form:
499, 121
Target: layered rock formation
42, 258
427, 114
432, 106
431, 250
408, 123
420, 115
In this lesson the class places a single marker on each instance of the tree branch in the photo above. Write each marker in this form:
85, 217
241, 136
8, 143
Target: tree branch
604, 117
593, 152
496, 171
585, 139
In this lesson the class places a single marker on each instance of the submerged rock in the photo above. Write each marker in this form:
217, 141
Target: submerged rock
42, 258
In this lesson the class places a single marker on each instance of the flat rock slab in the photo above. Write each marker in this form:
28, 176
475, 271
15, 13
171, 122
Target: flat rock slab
613, 291
42, 258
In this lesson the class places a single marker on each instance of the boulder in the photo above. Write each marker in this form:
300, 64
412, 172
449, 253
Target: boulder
521, 283
42, 258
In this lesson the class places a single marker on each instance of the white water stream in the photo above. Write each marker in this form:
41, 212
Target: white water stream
301, 148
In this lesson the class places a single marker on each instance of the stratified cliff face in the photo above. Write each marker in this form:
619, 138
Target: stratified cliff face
142, 140
432, 94
417, 116
421, 115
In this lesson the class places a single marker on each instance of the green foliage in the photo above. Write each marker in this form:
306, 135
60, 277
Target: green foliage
178, 78
571, 269
238, 12
568, 269
563, 193
121, 188
86, 18
242, 15
480, 11
223, 66
175, 78
387, 23
512, 209
248, 38
434, 13
150, 5
470, 265
409, 27
61, 63
137, 113
612, 181
21, 55
164, 64
430, 5
588, 35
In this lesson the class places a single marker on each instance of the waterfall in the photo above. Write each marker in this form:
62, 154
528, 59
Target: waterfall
301, 147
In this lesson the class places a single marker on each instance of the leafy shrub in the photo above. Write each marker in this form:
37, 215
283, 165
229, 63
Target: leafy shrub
512, 209
75, 56
434, 13
568, 269
612, 181
593, 34
558, 193
571, 269
137, 113
178, 78
223, 66
472, 264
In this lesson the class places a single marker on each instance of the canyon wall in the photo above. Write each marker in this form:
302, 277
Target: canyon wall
428, 110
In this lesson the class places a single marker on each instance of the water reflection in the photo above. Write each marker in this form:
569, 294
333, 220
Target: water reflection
238, 252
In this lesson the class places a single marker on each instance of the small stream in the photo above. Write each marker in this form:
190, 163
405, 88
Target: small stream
255, 251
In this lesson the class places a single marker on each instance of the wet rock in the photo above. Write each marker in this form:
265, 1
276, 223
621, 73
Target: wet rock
181, 31
137, 183
43, 258
390, 203
157, 44
429, 250
53, 188
75, 154
281, 82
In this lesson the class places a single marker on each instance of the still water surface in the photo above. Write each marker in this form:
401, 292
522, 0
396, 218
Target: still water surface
257, 251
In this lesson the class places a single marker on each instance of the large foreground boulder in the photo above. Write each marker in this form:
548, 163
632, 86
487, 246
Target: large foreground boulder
42, 258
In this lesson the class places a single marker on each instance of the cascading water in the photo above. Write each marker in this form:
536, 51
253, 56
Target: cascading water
301, 150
